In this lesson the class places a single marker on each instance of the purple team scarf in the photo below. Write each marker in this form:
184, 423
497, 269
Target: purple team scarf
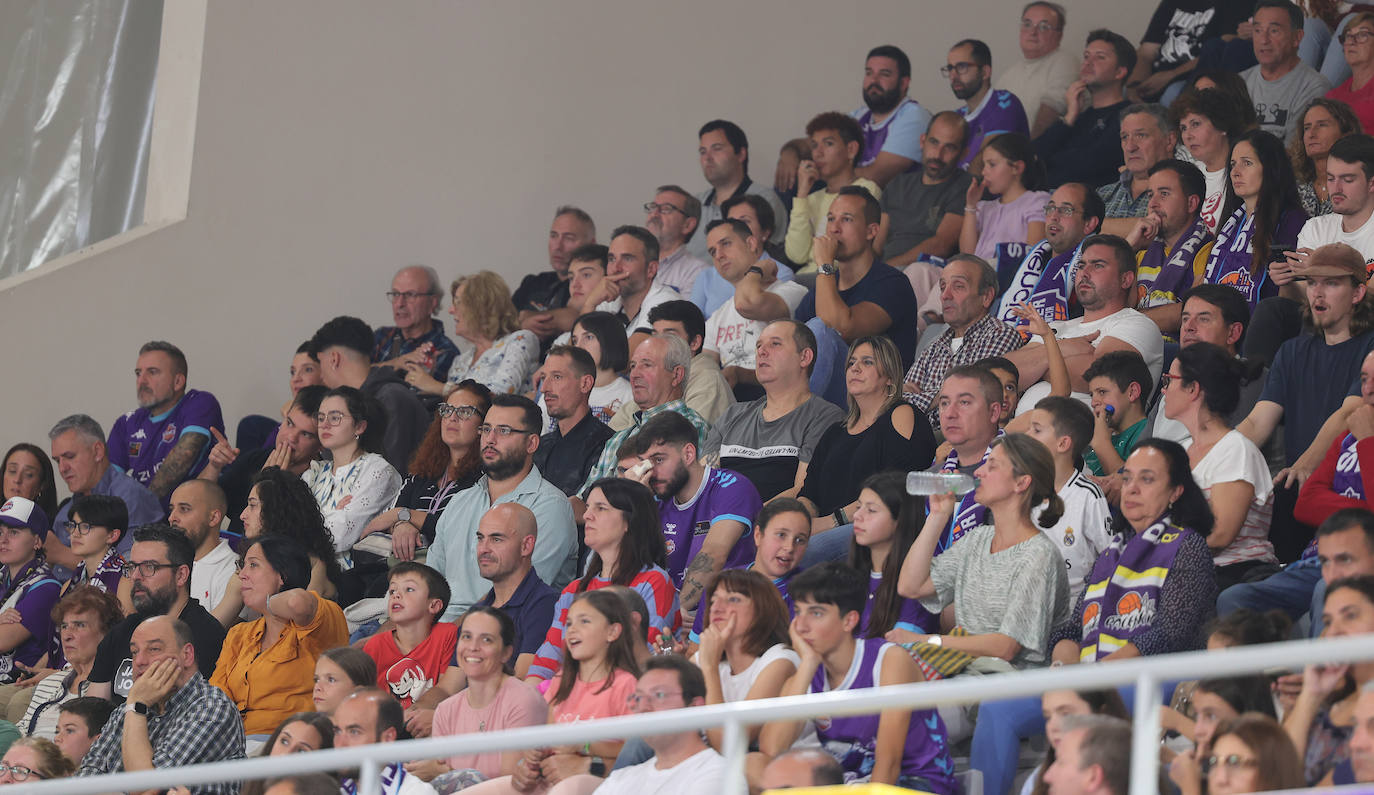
1175, 275
969, 513
1347, 481
1119, 603
1231, 258
1045, 281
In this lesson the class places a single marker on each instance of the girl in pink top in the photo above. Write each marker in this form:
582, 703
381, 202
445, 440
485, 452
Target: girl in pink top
1013, 173
597, 680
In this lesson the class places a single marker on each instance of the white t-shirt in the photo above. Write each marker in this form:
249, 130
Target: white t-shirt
1127, 325
732, 336
735, 687
1234, 458
1325, 229
657, 294
703, 769
1082, 532
211, 574
1216, 197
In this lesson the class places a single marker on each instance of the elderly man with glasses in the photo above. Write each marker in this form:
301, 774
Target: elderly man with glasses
1045, 70
508, 439
415, 297
672, 217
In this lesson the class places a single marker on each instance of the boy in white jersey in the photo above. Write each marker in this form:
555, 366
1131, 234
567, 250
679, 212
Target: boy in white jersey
1065, 426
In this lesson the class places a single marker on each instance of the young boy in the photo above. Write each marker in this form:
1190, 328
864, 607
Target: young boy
906, 748
79, 722
1010, 377
836, 148
1065, 426
1119, 384
419, 650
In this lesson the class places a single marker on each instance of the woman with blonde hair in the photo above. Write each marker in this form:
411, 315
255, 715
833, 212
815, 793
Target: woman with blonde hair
503, 357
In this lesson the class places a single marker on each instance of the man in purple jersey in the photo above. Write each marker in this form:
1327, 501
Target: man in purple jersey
706, 513
164, 441
892, 122
989, 112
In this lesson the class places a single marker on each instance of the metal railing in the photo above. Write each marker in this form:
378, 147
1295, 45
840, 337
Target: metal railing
1146, 673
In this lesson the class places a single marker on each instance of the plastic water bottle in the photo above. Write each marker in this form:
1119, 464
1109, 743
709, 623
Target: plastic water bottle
924, 484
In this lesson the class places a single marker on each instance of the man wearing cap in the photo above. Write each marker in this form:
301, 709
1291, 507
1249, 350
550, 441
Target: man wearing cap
28, 590
1315, 377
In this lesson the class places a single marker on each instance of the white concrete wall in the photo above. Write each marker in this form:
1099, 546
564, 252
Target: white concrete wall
336, 140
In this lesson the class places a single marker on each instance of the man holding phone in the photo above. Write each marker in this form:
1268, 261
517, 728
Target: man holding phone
1350, 183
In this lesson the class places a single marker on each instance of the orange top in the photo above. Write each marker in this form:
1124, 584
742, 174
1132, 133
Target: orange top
270, 685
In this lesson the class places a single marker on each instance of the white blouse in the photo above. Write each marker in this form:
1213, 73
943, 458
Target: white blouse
370, 482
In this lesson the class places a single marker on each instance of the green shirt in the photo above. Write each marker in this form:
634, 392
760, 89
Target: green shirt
1124, 443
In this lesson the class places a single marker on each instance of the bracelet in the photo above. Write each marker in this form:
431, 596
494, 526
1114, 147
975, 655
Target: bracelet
840, 516
754, 269
968, 209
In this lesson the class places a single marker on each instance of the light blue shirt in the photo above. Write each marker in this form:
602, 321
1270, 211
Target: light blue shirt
454, 551
711, 290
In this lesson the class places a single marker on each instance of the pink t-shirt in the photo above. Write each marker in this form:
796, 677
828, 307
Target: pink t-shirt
1361, 101
588, 701
516, 705
1008, 223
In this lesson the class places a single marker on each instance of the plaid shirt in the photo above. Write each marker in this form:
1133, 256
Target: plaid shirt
605, 465
198, 723
1120, 204
387, 338
987, 337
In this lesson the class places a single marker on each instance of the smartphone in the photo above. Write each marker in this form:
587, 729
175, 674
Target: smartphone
1278, 253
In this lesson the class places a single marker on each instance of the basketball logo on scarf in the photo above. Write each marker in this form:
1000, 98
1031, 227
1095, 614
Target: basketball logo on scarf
1092, 611
1133, 610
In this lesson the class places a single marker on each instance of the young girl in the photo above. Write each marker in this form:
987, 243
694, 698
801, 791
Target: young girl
339, 672
597, 680
357, 483
1262, 211
1056, 705
623, 533
885, 525
1013, 173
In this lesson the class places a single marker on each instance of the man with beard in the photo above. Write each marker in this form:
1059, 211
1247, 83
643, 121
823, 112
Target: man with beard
542, 298
968, 288
1104, 282
1044, 279
923, 211
415, 296
672, 218
370, 715
989, 112
164, 440
724, 152
566, 453
1084, 145
174, 717
508, 439
297, 445
707, 513
1315, 376
159, 566
197, 509
1173, 242
893, 122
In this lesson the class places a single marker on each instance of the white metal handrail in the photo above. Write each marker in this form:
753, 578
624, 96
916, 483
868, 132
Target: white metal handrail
1146, 673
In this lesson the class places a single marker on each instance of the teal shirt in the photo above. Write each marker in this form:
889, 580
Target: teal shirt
1124, 443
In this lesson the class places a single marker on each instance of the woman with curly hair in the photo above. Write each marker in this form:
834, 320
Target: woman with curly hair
504, 355
81, 619
1323, 122
281, 503
446, 462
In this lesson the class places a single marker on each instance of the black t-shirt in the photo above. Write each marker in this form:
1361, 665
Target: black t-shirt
1180, 27
565, 461
114, 664
539, 292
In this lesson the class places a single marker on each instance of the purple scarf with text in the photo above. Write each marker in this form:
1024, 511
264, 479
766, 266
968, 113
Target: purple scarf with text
1122, 594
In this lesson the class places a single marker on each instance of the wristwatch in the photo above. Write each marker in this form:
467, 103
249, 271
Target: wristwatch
829, 268
755, 269
937, 641
136, 706
598, 768
403, 515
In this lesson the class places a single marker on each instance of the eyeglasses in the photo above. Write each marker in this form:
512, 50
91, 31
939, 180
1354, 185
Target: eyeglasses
1168, 377
1233, 762
447, 410
658, 697
1041, 26
19, 772
145, 568
78, 528
1061, 210
331, 419
1359, 36
407, 296
961, 67
500, 430
651, 207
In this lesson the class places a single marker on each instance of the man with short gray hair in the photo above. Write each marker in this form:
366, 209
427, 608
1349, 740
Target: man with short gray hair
78, 450
1093, 758
673, 216
1147, 137
415, 297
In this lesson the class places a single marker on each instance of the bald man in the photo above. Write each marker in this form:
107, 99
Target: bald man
806, 767
370, 715
197, 510
172, 716
415, 296
505, 544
